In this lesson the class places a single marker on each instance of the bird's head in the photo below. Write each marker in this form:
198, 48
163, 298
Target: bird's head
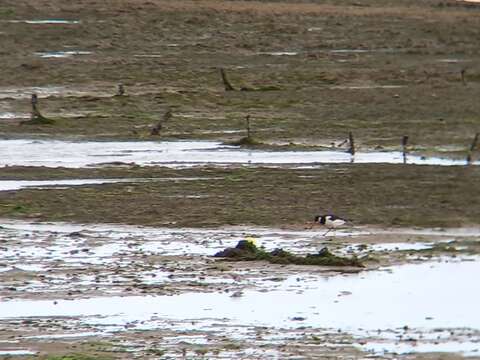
320, 219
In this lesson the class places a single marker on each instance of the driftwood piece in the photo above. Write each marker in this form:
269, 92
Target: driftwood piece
351, 149
226, 83
247, 124
463, 73
404, 148
473, 145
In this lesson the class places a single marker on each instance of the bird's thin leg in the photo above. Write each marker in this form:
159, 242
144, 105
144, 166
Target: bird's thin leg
327, 232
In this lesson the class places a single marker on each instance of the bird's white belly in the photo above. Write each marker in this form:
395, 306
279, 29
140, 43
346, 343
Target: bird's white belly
334, 223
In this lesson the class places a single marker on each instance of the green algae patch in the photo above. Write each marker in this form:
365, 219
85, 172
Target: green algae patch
244, 141
38, 119
248, 251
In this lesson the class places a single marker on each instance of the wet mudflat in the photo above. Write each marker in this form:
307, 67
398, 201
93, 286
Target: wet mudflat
206, 196
144, 258
113, 290
93, 283
312, 80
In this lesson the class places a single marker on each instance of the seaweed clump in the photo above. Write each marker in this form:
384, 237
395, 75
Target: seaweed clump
248, 251
244, 141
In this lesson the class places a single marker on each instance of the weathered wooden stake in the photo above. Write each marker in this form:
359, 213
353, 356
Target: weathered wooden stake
463, 73
351, 149
226, 83
404, 148
36, 118
156, 129
121, 90
473, 145
35, 113
247, 119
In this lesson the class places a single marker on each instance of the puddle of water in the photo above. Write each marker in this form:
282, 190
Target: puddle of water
30, 267
366, 87
16, 352
10, 115
462, 231
279, 53
148, 55
99, 89
402, 246
391, 298
41, 91
7, 185
79, 114
361, 51
453, 61
408, 347
348, 51
181, 154
61, 54
405, 246
64, 336
398, 246
394, 246
46, 22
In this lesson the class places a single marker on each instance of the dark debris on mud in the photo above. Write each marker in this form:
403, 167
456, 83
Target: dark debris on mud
247, 251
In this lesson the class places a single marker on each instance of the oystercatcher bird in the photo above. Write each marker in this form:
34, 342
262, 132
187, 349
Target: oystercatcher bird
330, 221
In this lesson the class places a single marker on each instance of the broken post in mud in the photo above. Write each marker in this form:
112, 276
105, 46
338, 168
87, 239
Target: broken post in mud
247, 124
36, 117
473, 145
121, 90
404, 148
35, 113
463, 73
166, 117
351, 149
226, 83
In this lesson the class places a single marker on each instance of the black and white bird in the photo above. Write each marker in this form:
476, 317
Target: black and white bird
330, 221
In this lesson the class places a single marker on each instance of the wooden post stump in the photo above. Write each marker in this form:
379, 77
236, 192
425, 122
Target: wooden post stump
226, 83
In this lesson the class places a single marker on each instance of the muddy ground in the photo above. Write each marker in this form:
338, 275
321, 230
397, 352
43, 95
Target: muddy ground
385, 195
311, 72
381, 70
47, 266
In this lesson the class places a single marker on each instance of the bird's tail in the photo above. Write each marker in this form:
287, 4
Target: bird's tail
349, 222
